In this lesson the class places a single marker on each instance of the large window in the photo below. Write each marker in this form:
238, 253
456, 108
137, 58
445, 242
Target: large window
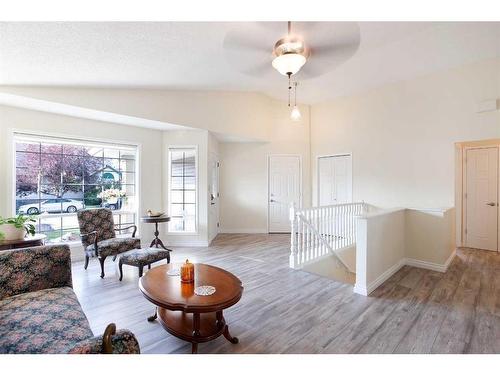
56, 177
182, 190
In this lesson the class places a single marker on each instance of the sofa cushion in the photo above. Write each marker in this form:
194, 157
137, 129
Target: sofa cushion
34, 268
45, 321
114, 246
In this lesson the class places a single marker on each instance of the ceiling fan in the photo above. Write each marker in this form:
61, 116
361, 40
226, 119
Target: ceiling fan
308, 49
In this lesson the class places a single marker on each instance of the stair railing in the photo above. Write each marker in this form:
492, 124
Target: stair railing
321, 231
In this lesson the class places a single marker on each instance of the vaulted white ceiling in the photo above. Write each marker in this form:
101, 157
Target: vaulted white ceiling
194, 56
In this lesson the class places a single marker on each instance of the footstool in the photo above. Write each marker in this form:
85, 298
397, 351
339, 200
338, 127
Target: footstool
142, 257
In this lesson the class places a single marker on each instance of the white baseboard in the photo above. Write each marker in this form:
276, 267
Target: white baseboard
429, 265
242, 231
186, 243
365, 290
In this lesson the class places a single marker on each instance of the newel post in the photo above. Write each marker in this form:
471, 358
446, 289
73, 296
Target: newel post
293, 236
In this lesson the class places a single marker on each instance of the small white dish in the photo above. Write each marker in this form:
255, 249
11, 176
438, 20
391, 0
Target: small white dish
174, 272
204, 290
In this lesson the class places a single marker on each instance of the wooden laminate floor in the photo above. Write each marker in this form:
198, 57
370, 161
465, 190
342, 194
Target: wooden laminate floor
288, 311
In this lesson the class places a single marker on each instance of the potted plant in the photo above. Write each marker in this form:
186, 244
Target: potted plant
15, 228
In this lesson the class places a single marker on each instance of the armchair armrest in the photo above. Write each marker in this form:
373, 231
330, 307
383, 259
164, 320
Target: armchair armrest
111, 342
83, 236
34, 268
132, 226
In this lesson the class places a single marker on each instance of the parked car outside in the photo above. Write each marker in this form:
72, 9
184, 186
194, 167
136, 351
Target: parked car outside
113, 204
52, 205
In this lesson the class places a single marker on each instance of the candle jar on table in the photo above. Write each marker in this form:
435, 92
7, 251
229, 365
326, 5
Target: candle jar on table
187, 289
187, 272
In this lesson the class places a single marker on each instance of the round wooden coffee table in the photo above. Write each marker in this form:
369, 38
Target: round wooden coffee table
186, 315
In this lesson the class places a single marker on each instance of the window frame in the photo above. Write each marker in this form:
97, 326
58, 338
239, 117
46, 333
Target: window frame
20, 135
169, 190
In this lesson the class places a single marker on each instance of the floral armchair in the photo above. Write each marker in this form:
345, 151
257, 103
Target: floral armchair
40, 312
97, 231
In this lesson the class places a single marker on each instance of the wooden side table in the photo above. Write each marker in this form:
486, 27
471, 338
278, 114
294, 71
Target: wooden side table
156, 241
28, 241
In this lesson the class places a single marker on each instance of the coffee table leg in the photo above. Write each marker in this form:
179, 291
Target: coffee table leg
227, 335
219, 319
196, 332
153, 317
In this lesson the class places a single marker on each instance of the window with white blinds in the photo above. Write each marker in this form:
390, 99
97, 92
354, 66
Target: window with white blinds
182, 190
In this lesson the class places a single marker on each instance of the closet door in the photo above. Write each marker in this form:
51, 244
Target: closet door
334, 180
482, 198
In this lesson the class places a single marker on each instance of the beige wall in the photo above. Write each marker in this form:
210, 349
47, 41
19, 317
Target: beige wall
402, 135
429, 237
244, 199
380, 248
236, 114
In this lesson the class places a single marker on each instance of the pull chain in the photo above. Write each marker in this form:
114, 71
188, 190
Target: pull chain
295, 99
289, 89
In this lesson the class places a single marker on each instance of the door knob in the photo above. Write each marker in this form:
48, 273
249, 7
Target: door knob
271, 200
491, 204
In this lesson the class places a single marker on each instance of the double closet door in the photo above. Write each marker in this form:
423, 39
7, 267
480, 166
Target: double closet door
334, 180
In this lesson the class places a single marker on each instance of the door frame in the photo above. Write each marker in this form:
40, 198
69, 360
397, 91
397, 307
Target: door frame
464, 190
317, 172
268, 160
216, 158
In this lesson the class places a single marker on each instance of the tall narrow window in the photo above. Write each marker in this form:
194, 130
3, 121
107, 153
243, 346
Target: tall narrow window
182, 190
55, 177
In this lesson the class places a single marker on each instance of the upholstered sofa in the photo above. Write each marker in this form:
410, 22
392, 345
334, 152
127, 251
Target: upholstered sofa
39, 311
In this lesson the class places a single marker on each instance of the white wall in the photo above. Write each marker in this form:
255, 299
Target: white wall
380, 248
237, 114
244, 200
149, 141
402, 135
430, 237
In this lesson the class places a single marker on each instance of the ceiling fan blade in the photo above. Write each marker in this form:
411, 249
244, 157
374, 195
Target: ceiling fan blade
262, 70
237, 43
334, 51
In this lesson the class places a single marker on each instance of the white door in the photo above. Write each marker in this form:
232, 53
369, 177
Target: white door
334, 180
213, 196
481, 198
284, 188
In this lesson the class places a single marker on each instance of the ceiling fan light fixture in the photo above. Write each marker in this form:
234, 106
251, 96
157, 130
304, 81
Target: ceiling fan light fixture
289, 63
